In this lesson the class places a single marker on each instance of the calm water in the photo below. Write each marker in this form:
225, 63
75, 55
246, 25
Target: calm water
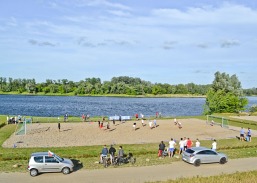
98, 106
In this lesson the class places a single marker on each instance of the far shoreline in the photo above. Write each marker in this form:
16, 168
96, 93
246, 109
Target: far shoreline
108, 95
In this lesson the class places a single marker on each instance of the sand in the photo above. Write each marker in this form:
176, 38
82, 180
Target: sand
88, 133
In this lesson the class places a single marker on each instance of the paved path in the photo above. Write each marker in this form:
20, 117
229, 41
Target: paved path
134, 174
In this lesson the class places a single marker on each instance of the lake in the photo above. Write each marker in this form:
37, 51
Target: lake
53, 106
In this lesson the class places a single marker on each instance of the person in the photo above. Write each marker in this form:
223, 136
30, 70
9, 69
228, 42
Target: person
59, 126
172, 145
142, 116
83, 117
175, 121
134, 126
66, 117
161, 149
143, 124
249, 134
214, 145
154, 123
104, 153
185, 143
189, 143
120, 154
212, 122
112, 152
108, 125
197, 143
242, 133
156, 114
179, 125
99, 124
150, 124
136, 116
113, 122
181, 145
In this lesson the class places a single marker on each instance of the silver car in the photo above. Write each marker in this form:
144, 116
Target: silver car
198, 155
48, 162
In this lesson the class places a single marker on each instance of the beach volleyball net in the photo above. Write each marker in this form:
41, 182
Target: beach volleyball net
21, 128
217, 120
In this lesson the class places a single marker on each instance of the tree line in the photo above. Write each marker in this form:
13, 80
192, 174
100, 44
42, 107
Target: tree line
93, 86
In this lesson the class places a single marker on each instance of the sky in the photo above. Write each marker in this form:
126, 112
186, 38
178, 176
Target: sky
161, 41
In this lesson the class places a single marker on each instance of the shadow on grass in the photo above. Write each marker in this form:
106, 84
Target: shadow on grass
77, 165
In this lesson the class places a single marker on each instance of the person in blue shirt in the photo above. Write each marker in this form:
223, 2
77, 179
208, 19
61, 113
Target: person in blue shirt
242, 134
104, 153
249, 134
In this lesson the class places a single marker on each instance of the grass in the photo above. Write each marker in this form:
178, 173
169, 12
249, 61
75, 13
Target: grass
238, 177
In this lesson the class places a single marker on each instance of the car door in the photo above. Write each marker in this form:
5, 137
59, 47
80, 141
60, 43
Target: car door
212, 156
51, 164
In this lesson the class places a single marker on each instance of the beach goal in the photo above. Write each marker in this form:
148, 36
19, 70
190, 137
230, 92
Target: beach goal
217, 120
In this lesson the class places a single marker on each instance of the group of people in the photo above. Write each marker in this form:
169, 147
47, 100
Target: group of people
111, 151
184, 144
85, 117
152, 124
245, 136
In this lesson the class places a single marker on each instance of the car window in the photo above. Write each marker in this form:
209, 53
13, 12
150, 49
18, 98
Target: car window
202, 152
210, 152
207, 152
50, 159
190, 151
38, 159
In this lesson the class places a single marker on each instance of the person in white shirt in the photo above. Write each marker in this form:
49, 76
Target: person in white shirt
214, 145
172, 144
197, 144
185, 143
181, 145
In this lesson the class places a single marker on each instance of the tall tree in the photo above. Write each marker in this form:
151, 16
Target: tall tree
225, 95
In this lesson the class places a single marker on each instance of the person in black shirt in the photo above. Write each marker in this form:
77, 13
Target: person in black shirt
112, 152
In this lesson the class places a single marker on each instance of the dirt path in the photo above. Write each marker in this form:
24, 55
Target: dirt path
135, 174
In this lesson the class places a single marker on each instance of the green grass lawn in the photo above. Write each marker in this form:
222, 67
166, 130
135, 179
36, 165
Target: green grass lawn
243, 177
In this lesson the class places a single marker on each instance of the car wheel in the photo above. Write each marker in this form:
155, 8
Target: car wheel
65, 170
197, 162
33, 172
223, 160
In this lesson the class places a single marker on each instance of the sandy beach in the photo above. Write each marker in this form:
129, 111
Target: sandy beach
89, 133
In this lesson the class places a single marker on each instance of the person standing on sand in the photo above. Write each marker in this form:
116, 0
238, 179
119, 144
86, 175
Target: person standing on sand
59, 126
154, 123
143, 122
134, 126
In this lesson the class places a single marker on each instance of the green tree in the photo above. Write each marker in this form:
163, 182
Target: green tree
225, 95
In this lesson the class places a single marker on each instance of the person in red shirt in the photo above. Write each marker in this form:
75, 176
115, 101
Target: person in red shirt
189, 143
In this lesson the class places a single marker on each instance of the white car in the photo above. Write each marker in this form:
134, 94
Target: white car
48, 162
198, 155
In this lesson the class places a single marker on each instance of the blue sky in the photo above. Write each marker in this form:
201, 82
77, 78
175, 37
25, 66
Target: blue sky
166, 41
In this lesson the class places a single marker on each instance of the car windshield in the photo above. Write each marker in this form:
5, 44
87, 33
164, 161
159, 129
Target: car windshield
58, 158
190, 151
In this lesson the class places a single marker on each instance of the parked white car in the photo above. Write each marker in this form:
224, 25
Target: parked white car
48, 162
